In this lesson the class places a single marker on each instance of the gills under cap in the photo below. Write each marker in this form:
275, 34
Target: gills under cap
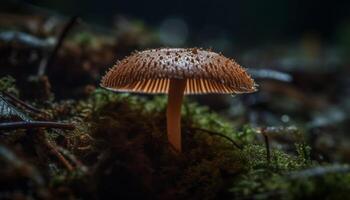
205, 72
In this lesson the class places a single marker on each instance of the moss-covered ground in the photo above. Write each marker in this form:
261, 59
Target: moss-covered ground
119, 150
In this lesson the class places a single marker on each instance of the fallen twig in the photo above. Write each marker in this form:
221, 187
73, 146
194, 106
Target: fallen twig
267, 145
219, 134
72, 158
44, 65
35, 124
53, 149
24, 104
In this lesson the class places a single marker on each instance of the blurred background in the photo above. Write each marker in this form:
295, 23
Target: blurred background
224, 25
297, 51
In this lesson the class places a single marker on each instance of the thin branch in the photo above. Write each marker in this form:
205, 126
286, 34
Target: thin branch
61, 37
35, 124
267, 145
219, 134
53, 149
24, 104
71, 157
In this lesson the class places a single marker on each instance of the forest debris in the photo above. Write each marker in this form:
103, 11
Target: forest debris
73, 158
9, 105
41, 137
23, 104
35, 124
8, 111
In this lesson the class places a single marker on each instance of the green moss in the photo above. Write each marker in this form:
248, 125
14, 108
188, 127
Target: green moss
123, 137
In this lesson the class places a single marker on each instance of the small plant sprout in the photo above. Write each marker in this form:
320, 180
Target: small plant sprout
178, 72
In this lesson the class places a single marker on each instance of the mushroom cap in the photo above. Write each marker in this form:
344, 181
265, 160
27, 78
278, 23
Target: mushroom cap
150, 71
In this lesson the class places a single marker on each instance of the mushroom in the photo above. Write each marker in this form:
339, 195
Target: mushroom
178, 72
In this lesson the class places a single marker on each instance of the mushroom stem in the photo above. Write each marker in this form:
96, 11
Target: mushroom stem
175, 95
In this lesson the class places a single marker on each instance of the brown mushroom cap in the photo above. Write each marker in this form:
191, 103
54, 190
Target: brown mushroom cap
150, 71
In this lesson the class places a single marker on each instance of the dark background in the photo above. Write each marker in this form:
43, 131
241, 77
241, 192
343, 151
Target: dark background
252, 22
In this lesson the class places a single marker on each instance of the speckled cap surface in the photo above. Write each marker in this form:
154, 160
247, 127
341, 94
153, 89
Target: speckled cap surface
150, 71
